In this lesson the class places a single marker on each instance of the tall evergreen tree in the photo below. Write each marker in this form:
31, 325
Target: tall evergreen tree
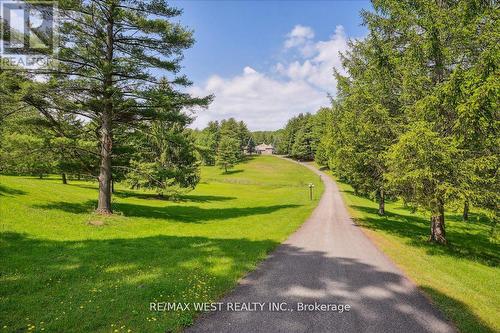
164, 159
448, 59
426, 71
228, 153
373, 114
114, 61
423, 170
289, 133
243, 135
207, 142
304, 140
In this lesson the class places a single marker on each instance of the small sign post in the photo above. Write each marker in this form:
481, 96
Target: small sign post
311, 186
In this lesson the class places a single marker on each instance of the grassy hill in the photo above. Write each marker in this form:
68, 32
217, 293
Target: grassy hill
62, 273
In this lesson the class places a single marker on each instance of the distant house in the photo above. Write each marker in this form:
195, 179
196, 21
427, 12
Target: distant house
264, 149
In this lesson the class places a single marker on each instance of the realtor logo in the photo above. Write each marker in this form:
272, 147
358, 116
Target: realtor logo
28, 34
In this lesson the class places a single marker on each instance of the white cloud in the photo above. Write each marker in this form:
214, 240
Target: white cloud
265, 101
249, 70
261, 101
299, 36
318, 68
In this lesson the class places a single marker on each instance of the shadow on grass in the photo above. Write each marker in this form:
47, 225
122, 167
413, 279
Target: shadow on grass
8, 191
182, 198
122, 276
153, 196
189, 214
204, 198
462, 243
92, 186
44, 279
232, 172
459, 312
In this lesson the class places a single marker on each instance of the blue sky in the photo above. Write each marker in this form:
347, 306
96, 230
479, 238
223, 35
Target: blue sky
266, 61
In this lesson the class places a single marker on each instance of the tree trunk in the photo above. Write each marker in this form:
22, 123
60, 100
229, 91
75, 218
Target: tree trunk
40, 176
381, 202
112, 186
104, 203
64, 180
465, 216
78, 176
438, 234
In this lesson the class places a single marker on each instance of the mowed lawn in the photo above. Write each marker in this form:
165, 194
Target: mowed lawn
59, 273
462, 278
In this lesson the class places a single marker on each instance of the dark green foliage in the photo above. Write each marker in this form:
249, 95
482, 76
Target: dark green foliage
228, 153
267, 137
302, 135
207, 142
250, 146
422, 168
31, 147
164, 160
117, 67
417, 114
304, 141
238, 131
289, 134
244, 136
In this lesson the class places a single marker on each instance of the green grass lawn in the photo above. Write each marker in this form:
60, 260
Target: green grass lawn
462, 278
59, 273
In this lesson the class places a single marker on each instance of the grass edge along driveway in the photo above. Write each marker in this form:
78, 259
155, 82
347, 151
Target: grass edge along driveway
461, 279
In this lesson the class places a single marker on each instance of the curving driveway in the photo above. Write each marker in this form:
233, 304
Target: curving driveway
329, 261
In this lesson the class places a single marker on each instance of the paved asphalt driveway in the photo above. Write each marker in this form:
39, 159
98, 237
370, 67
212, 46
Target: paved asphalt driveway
329, 261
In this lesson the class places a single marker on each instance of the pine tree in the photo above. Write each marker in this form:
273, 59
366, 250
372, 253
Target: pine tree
302, 148
448, 64
289, 133
250, 147
165, 159
207, 142
423, 170
372, 114
113, 65
228, 153
243, 136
